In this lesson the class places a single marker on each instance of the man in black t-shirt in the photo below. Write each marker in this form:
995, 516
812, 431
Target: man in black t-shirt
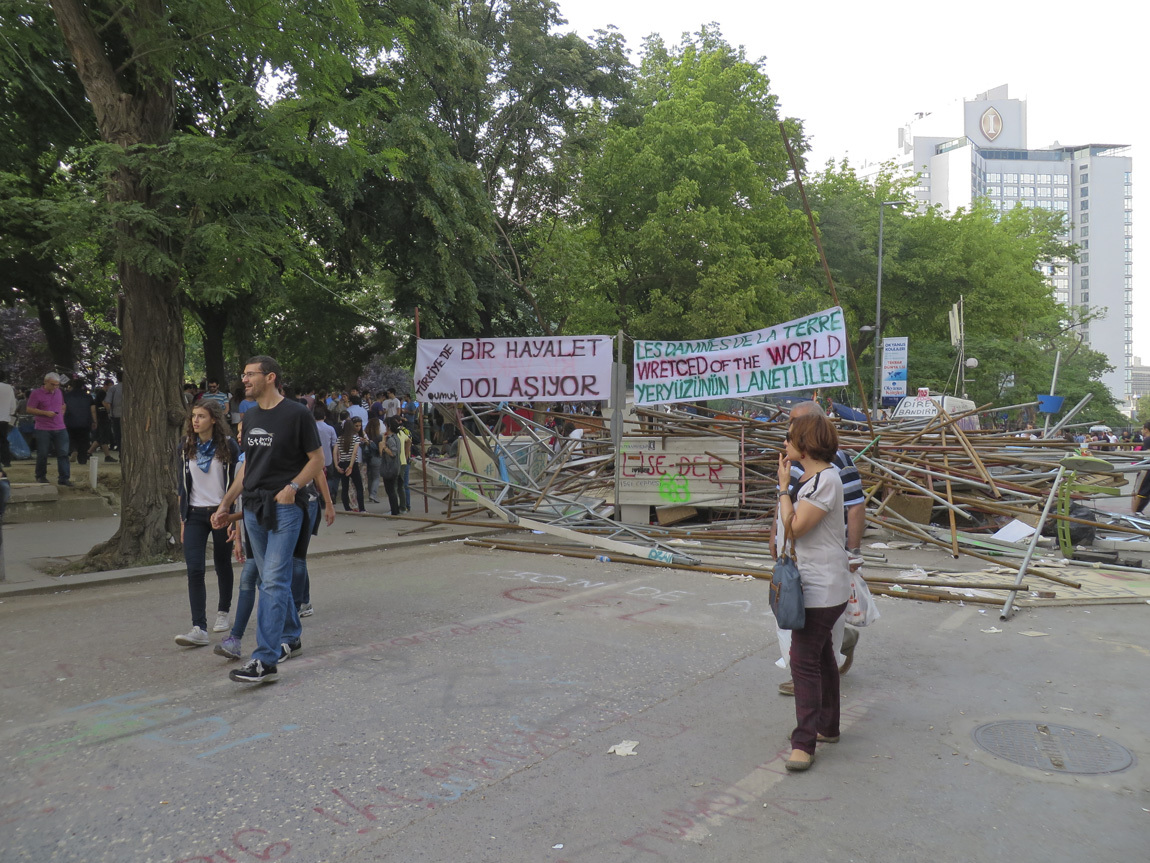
281, 454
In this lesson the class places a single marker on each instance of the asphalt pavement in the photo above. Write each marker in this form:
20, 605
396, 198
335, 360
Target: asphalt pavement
452, 703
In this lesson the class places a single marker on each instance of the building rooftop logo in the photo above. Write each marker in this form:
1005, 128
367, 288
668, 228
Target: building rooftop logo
991, 124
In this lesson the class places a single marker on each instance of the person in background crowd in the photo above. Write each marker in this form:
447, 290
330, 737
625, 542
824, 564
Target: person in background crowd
376, 409
403, 433
390, 405
356, 410
46, 406
79, 418
328, 441
282, 455
371, 449
389, 464
115, 403
102, 434
189, 394
350, 442
207, 457
215, 394
409, 412
7, 420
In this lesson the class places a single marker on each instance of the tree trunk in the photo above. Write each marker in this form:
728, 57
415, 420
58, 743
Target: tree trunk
214, 319
57, 327
138, 109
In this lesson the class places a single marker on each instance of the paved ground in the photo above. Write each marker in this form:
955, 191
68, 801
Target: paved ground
457, 704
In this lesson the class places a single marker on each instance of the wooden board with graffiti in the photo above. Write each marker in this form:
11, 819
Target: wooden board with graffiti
700, 471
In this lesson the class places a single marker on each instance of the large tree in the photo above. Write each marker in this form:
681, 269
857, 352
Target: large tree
139, 61
687, 198
510, 95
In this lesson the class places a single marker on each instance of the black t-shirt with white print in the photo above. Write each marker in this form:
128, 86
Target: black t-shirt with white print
276, 443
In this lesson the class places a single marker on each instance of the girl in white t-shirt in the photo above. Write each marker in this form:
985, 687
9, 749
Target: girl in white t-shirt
825, 571
207, 456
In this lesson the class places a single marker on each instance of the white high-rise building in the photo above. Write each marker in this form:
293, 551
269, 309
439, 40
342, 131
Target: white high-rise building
977, 148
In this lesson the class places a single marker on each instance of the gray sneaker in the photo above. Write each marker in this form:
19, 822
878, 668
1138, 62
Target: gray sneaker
306, 610
222, 622
229, 648
196, 638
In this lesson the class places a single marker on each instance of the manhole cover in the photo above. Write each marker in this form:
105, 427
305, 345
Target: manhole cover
1052, 747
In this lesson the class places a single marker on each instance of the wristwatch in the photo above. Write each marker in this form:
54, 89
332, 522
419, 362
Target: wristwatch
294, 485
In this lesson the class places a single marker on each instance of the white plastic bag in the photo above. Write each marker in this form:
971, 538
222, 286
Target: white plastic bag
861, 607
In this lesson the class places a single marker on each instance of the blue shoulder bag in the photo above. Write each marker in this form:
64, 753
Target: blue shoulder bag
787, 588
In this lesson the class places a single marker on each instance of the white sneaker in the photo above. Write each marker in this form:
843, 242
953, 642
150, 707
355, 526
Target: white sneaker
196, 638
222, 622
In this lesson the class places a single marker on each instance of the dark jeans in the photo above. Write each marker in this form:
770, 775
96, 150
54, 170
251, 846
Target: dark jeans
5, 447
392, 488
52, 439
332, 480
80, 440
815, 672
300, 579
196, 531
356, 479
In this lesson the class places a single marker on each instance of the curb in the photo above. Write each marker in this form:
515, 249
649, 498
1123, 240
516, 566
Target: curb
146, 573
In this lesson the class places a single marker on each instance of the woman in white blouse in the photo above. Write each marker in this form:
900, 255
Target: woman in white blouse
815, 521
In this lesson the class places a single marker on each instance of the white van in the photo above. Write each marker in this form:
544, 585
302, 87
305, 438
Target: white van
913, 407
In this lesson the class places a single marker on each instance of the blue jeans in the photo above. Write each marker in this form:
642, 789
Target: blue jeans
405, 489
277, 620
45, 440
246, 599
196, 531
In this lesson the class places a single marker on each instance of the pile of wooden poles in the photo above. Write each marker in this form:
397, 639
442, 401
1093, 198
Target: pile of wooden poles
968, 483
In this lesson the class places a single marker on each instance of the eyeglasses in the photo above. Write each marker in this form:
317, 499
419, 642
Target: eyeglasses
247, 375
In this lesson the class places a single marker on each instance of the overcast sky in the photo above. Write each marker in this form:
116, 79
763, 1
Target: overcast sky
855, 72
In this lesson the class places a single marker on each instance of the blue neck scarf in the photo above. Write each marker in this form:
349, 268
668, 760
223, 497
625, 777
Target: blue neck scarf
205, 452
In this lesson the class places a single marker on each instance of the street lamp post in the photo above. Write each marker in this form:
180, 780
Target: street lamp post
878, 311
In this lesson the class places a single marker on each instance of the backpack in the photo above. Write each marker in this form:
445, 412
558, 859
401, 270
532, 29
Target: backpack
389, 464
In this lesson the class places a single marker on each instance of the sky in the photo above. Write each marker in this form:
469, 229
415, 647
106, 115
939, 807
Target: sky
855, 72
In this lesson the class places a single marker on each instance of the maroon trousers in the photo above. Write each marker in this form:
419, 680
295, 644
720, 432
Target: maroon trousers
815, 672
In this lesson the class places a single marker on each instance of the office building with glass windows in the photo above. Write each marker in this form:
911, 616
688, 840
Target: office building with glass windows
1090, 183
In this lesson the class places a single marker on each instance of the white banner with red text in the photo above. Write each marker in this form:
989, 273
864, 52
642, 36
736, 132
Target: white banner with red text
549, 369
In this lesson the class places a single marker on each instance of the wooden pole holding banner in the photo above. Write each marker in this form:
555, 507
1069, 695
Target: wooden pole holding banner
422, 439
826, 268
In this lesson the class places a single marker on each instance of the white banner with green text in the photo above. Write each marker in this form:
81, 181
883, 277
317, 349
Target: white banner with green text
806, 353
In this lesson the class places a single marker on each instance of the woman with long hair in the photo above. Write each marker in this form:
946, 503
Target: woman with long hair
350, 441
825, 573
206, 457
372, 449
389, 464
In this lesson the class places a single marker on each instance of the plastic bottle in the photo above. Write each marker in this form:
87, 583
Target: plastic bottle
602, 558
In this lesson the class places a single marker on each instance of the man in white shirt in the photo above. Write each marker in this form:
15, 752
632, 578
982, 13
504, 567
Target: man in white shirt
390, 405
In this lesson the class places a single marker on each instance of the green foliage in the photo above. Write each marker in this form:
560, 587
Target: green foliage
1014, 326
1142, 411
686, 198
